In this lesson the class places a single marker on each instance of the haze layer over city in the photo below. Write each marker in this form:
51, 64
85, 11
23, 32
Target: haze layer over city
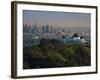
52, 24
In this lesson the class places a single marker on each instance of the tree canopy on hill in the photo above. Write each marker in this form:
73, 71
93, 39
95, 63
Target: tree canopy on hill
52, 53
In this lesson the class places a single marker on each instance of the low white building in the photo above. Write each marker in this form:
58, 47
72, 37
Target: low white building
73, 39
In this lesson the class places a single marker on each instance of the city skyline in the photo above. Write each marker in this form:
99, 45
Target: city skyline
57, 19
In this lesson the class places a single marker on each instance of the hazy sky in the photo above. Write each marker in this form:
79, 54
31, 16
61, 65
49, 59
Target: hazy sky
69, 19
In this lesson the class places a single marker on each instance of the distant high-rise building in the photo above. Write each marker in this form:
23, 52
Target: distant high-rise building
26, 28
47, 28
29, 28
51, 29
34, 28
43, 29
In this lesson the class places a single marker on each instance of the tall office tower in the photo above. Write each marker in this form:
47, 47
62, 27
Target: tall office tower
29, 28
43, 29
50, 30
26, 28
40, 29
34, 28
47, 28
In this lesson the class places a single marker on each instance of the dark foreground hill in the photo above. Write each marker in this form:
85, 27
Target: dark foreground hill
53, 53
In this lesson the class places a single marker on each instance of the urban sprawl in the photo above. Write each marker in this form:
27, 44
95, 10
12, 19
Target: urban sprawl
32, 35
